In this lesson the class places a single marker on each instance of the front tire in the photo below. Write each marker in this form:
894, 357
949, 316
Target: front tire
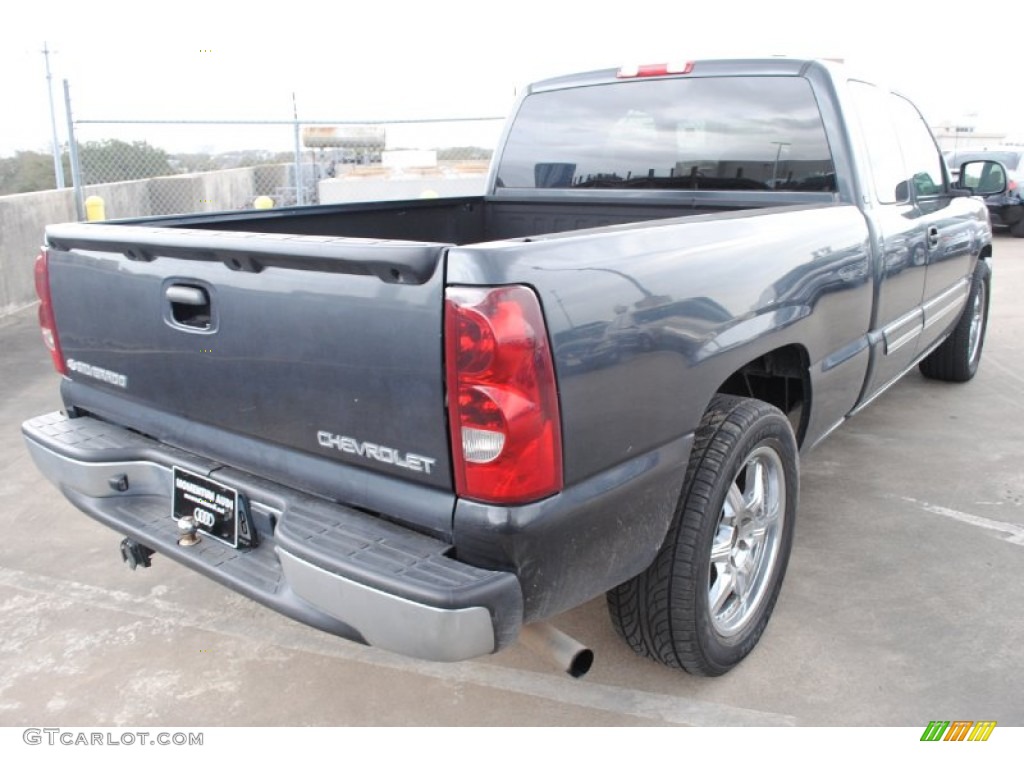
958, 357
704, 602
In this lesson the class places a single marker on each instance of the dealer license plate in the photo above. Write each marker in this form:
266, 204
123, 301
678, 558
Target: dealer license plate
214, 506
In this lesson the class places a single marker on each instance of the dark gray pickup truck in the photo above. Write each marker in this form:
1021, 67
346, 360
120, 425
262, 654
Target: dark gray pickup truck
431, 425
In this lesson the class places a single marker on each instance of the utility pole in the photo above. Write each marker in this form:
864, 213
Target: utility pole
76, 169
58, 166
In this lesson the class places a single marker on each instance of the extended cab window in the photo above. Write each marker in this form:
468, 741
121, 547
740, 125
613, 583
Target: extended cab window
882, 145
718, 133
924, 163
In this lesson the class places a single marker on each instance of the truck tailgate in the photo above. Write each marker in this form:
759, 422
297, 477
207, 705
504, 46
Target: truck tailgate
328, 346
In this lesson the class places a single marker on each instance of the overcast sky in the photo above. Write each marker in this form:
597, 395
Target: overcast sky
449, 58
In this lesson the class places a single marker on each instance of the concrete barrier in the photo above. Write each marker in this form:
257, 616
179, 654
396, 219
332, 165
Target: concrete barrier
124, 199
23, 218
22, 221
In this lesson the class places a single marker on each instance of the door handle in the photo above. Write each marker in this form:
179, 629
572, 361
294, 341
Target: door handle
186, 294
190, 306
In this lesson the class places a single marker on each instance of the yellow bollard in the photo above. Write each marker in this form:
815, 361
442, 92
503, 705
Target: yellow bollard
95, 209
263, 202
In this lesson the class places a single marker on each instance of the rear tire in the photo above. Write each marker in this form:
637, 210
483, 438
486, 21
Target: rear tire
958, 357
704, 602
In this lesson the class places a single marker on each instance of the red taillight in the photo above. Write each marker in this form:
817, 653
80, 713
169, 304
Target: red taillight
46, 322
1011, 186
502, 402
656, 70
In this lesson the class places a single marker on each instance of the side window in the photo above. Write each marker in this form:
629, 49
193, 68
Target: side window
924, 163
883, 146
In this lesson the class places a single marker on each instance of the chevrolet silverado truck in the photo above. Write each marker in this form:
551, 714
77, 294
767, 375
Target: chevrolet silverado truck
432, 425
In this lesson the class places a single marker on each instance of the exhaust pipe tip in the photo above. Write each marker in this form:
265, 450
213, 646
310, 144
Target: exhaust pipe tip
567, 653
581, 663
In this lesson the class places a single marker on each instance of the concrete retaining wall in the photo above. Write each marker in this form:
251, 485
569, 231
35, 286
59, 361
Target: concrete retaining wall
125, 199
22, 221
24, 217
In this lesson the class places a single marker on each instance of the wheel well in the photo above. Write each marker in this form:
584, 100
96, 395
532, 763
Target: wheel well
779, 378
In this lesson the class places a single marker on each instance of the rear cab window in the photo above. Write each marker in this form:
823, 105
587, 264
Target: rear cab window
713, 133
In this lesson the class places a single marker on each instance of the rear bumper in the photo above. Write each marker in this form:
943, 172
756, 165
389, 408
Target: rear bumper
324, 564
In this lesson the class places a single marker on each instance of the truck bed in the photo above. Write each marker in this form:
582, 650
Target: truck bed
464, 221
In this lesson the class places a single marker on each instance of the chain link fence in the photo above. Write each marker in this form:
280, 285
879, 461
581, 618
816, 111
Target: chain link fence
152, 168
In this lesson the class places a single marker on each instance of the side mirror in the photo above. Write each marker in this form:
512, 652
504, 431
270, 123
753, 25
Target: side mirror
982, 177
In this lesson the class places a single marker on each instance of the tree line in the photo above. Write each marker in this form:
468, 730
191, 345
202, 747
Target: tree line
100, 161
110, 160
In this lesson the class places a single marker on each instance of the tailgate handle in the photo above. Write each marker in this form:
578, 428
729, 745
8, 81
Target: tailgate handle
190, 306
186, 294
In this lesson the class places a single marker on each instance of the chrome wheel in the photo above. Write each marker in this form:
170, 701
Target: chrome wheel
704, 602
958, 357
977, 323
747, 541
